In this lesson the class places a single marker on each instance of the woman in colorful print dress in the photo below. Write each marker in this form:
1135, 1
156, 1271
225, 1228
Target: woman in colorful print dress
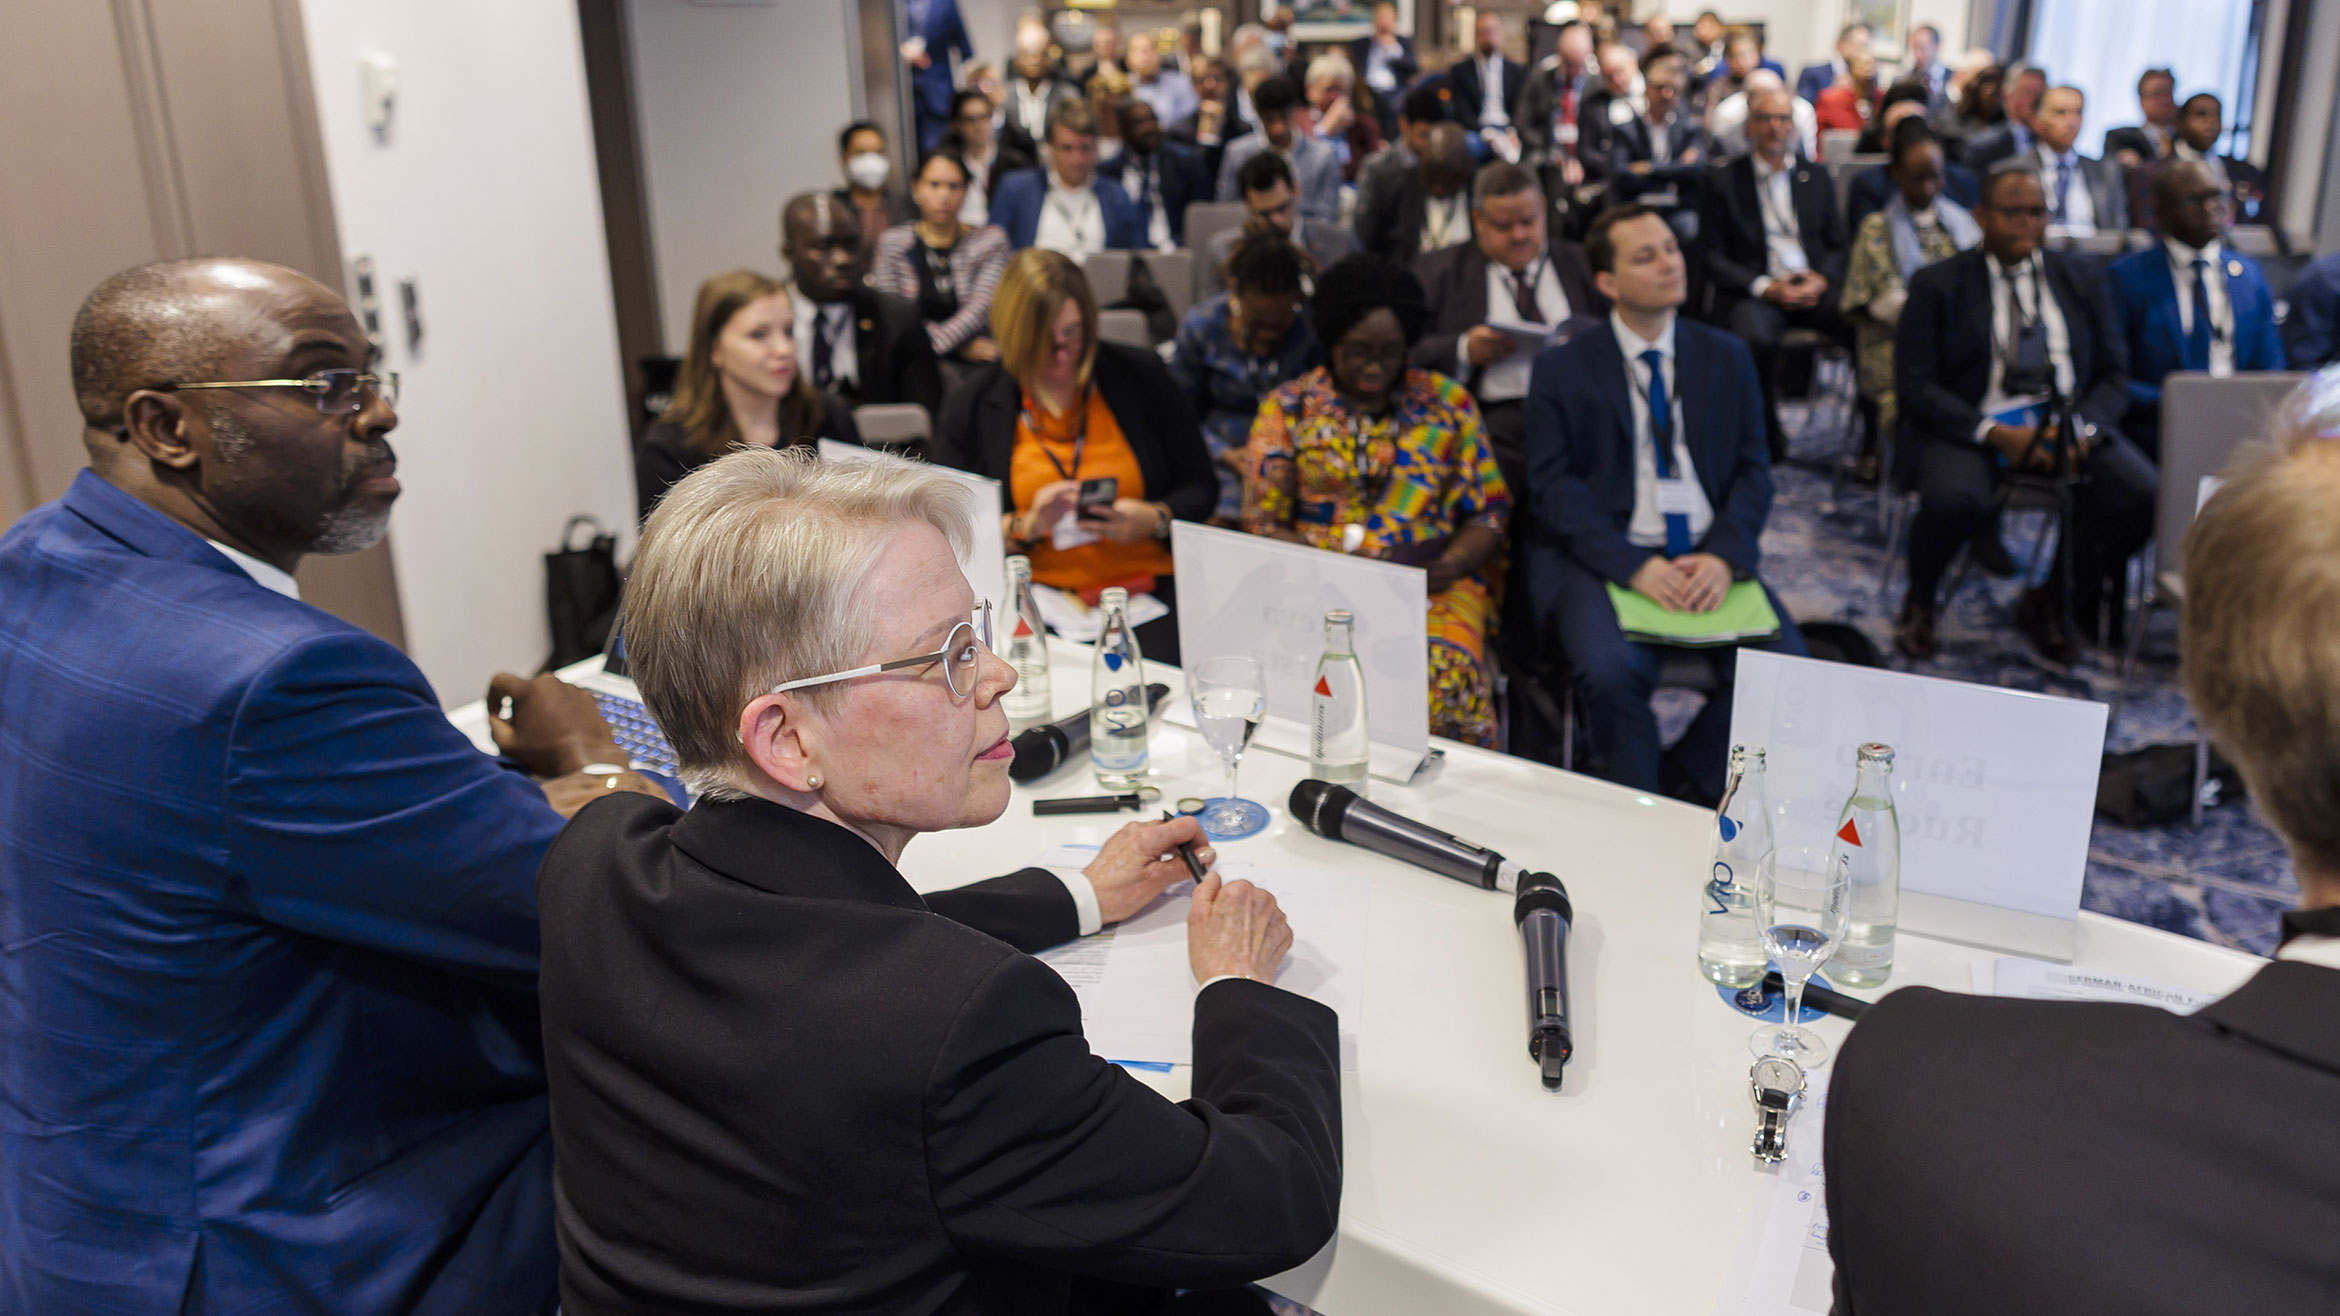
1370, 456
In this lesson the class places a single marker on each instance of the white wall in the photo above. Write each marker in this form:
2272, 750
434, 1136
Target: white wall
738, 108
513, 415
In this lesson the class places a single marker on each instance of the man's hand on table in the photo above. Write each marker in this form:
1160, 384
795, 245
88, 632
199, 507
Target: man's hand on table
554, 728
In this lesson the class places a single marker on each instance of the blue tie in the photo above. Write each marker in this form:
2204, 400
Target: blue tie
2198, 337
2063, 186
1661, 440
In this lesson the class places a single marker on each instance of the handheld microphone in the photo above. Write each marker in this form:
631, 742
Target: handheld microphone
1047, 747
1337, 813
1543, 914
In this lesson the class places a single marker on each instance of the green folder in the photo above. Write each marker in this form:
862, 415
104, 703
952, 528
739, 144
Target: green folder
1745, 614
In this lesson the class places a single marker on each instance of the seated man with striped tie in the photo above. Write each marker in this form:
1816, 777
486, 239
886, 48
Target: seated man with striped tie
1650, 476
2188, 302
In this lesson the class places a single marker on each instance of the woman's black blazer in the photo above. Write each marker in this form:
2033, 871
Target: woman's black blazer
977, 431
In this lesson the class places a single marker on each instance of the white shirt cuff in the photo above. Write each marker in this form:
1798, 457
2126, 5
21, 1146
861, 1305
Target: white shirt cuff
1755, 289
1084, 897
1223, 977
1982, 431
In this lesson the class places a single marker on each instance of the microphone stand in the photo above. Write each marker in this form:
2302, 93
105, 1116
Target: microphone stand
2062, 480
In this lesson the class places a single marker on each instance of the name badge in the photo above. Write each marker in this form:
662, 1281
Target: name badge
1070, 534
1565, 134
1676, 497
1352, 537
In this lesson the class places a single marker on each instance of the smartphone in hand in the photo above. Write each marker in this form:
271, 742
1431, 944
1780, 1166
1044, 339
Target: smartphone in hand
1097, 497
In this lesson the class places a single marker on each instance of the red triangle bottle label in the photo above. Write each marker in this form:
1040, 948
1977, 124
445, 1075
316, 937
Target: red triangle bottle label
1847, 834
1324, 687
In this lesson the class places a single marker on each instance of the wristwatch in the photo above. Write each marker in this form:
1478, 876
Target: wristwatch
1776, 1083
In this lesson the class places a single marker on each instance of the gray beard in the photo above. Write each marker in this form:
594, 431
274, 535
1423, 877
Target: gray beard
345, 529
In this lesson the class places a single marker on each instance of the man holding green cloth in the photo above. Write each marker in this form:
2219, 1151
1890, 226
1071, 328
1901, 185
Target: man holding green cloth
1650, 474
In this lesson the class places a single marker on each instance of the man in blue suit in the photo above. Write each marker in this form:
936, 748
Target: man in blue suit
268, 993
1160, 175
932, 32
2188, 303
1852, 39
1648, 468
1066, 205
2311, 333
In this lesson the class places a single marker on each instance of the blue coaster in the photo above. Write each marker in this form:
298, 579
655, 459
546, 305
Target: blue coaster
1775, 1007
1255, 817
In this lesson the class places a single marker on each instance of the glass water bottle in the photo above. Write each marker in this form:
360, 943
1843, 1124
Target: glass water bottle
1338, 743
1868, 844
1117, 700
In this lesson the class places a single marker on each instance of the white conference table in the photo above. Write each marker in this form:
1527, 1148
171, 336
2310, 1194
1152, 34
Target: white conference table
1468, 1187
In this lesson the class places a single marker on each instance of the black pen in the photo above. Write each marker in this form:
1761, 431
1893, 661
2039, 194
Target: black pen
1186, 850
1089, 804
1816, 996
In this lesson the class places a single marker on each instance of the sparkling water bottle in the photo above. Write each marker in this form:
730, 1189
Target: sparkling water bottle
1117, 701
1868, 844
1338, 744
1026, 649
1730, 946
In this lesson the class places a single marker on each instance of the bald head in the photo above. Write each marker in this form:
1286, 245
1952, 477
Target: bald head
821, 241
2188, 202
273, 469
169, 322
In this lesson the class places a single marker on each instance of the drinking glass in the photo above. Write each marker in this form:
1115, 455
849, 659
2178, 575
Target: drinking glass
1230, 697
1803, 911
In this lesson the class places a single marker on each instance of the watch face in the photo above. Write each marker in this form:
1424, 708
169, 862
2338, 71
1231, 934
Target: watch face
1777, 1074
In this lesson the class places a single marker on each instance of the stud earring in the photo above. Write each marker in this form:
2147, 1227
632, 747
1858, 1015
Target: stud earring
813, 781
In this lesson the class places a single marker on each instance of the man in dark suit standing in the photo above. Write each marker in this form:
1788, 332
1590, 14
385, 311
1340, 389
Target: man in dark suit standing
863, 345
1486, 83
1647, 468
1387, 62
1514, 273
2188, 302
1988, 339
270, 980
2036, 1158
1160, 175
1776, 245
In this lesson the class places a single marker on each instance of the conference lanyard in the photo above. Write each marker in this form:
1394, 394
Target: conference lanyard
1076, 222
1080, 435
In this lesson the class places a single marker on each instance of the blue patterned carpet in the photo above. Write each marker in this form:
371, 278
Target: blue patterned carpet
2226, 881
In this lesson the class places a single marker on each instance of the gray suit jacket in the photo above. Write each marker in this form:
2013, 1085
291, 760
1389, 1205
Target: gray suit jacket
1316, 173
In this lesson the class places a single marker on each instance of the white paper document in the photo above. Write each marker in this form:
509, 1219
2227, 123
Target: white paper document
2036, 980
1076, 621
1783, 1267
1137, 991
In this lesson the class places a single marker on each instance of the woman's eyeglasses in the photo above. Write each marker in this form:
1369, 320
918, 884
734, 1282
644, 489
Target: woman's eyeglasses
961, 657
338, 392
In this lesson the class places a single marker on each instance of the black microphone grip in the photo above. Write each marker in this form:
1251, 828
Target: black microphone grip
1340, 814
1544, 915
1045, 748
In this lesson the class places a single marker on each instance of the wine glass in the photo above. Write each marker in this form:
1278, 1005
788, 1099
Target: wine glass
1230, 697
1803, 912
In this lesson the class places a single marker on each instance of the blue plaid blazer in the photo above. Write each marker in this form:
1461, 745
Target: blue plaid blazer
268, 949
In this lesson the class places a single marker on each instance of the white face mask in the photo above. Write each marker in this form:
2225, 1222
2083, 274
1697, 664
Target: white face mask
867, 171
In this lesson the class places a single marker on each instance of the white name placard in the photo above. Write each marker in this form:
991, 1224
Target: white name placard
986, 560
1246, 594
1995, 789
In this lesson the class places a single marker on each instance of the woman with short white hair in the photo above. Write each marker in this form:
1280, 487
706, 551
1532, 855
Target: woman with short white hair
782, 1079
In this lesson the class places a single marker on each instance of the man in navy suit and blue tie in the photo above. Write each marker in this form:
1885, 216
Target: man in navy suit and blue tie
1648, 469
1066, 205
2188, 303
269, 987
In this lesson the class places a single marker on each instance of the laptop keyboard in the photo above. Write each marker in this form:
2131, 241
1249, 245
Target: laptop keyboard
636, 734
